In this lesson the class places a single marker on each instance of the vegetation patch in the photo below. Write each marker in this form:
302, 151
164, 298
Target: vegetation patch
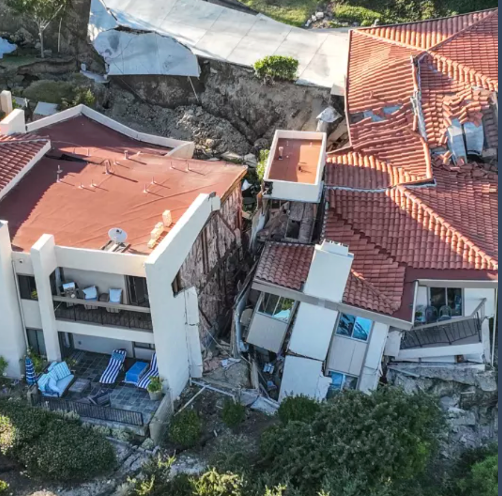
294, 12
233, 414
276, 68
298, 408
185, 429
50, 446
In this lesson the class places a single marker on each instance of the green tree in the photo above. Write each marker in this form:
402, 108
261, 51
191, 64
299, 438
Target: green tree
41, 12
378, 439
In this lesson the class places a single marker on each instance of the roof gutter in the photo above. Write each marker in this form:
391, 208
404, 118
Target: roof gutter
338, 306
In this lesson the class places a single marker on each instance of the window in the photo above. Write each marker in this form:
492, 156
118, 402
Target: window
146, 346
293, 229
276, 306
36, 341
27, 287
340, 381
451, 298
354, 327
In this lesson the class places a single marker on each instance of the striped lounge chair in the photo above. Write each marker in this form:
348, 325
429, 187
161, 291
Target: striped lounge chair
152, 371
114, 365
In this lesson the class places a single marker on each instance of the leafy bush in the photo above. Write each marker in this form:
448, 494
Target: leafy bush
383, 437
262, 164
155, 385
233, 413
50, 91
212, 483
3, 486
484, 477
298, 408
276, 67
361, 15
3, 365
50, 446
82, 96
185, 429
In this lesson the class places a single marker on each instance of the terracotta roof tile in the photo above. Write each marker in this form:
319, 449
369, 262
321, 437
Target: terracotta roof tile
285, 264
426, 34
16, 152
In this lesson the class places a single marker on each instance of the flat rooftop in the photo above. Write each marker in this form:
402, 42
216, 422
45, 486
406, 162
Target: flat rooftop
300, 160
87, 202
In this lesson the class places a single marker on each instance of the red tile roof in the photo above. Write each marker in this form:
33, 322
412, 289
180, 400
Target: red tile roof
396, 198
288, 264
285, 264
16, 152
87, 202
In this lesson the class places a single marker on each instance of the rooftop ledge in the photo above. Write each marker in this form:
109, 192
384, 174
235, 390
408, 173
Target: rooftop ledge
295, 166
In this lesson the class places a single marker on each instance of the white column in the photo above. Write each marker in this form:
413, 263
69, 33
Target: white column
12, 342
43, 258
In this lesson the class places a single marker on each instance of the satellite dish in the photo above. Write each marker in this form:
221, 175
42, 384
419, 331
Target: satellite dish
117, 235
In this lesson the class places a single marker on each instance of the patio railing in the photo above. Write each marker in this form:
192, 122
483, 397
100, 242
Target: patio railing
89, 411
447, 331
137, 319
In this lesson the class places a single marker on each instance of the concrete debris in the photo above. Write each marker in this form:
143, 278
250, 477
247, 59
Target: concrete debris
231, 157
266, 406
250, 160
248, 396
185, 464
319, 15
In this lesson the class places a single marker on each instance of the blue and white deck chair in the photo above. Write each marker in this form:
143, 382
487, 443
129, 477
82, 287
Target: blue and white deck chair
114, 365
153, 371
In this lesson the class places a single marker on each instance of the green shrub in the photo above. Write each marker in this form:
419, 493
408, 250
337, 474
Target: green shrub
383, 437
82, 96
3, 486
51, 446
3, 365
233, 413
298, 408
185, 429
484, 477
50, 91
233, 453
212, 483
361, 15
262, 164
276, 67
155, 385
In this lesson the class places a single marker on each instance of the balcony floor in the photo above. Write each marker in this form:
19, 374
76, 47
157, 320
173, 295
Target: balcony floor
91, 366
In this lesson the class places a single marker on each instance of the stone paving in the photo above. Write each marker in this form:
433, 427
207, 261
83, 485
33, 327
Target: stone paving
90, 366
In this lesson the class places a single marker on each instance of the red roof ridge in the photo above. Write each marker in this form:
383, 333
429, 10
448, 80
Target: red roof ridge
481, 79
386, 40
467, 28
461, 237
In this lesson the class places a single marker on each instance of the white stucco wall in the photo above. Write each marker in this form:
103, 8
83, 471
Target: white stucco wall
101, 345
371, 370
169, 313
43, 257
346, 355
329, 271
31, 313
312, 331
266, 332
12, 342
473, 297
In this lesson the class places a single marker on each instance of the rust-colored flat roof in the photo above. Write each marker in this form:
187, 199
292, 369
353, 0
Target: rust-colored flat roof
300, 159
79, 214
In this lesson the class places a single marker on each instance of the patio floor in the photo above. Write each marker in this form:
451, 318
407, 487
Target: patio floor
90, 366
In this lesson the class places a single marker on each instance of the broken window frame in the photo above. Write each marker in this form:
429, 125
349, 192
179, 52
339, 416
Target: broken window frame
266, 301
445, 290
334, 389
353, 329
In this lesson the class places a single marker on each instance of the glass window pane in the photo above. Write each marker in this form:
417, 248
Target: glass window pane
350, 382
41, 343
336, 381
346, 325
455, 300
438, 297
283, 309
268, 303
362, 329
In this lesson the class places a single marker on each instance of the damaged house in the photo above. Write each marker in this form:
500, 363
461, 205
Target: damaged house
112, 239
393, 256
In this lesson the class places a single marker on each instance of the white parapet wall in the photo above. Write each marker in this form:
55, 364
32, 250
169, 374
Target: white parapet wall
179, 148
12, 343
13, 123
290, 190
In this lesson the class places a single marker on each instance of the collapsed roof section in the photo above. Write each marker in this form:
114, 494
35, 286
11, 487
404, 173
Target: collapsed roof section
152, 37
